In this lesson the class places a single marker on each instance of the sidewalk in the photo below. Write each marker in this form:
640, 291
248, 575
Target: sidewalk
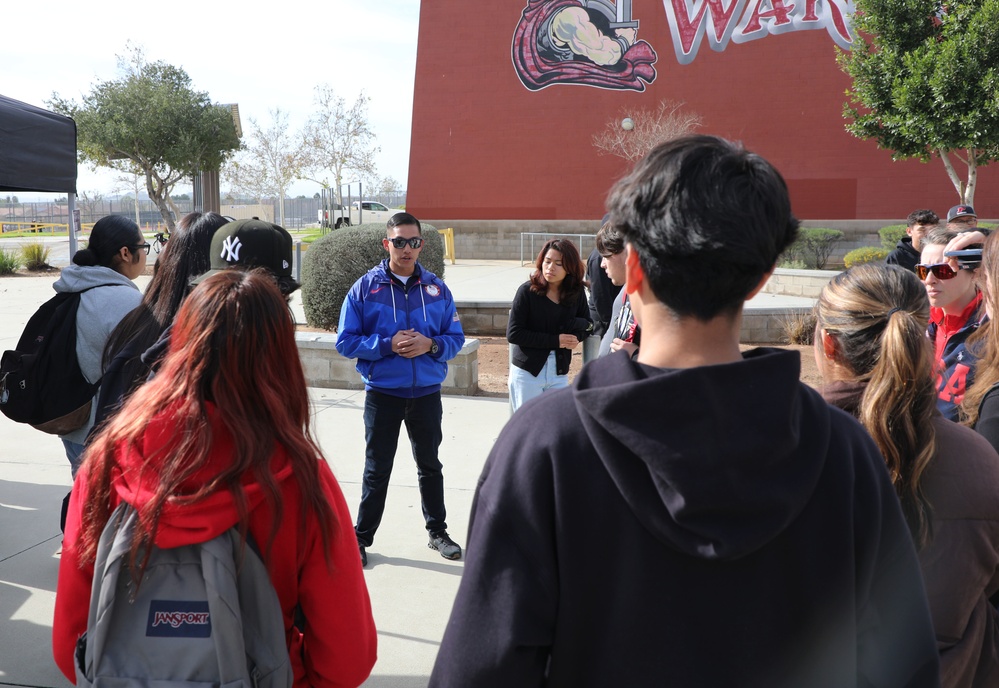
411, 586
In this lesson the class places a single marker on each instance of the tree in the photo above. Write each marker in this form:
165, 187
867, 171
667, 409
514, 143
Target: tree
91, 205
926, 82
635, 133
269, 163
339, 140
151, 119
389, 186
130, 180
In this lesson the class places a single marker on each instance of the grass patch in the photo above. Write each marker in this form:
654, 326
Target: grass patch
798, 328
10, 261
35, 256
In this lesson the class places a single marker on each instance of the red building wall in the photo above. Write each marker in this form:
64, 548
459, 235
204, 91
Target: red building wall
484, 146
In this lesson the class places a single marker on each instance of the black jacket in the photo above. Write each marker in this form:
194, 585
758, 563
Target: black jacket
602, 293
904, 255
535, 324
129, 365
715, 526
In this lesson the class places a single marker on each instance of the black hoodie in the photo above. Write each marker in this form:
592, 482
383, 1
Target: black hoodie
904, 255
714, 526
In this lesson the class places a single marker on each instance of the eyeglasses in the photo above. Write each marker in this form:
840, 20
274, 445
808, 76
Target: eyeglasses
144, 247
399, 242
942, 271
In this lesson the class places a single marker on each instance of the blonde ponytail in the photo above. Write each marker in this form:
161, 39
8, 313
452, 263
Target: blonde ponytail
878, 315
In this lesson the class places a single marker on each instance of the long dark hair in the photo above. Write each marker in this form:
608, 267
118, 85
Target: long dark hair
184, 257
575, 271
984, 342
110, 234
878, 315
233, 322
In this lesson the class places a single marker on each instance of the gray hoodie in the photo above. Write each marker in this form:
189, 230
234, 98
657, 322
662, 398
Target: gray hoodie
100, 311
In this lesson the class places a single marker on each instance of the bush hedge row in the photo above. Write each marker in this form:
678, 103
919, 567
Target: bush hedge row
336, 260
865, 254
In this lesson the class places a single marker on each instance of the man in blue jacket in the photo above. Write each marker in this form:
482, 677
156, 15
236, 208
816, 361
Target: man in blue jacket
399, 321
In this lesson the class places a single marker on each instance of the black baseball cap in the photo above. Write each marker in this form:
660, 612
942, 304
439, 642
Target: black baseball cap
253, 244
960, 211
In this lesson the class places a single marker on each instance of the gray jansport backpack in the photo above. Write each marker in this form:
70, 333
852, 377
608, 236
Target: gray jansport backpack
197, 617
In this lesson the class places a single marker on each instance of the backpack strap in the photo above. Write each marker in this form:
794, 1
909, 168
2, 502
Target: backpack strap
114, 543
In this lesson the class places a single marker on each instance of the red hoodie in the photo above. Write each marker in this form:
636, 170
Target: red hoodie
338, 647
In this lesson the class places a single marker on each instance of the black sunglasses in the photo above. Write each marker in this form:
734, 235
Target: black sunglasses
942, 271
399, 242
144, 247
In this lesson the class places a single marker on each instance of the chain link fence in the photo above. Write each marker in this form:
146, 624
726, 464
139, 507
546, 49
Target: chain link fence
299, 213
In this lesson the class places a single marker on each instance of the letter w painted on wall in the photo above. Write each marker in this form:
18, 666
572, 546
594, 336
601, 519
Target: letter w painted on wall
745, 20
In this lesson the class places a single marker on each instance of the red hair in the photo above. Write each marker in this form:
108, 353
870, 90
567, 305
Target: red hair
232, 347
575, 271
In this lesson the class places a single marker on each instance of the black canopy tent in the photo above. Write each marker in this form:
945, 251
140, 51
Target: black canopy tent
38, 153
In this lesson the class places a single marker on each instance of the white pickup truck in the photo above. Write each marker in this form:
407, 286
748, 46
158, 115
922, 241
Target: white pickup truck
334, 217
371, 211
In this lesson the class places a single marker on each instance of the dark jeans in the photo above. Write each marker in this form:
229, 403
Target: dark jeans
383, 417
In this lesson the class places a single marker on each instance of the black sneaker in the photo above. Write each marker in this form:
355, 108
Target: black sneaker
364, 556
443, 543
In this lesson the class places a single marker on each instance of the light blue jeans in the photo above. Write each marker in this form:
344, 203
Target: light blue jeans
74, 452
524, 386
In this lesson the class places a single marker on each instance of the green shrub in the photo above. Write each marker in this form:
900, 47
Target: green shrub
812, 247
35, 255
792, 263
891, 235
10, 261
865, 254
336, 260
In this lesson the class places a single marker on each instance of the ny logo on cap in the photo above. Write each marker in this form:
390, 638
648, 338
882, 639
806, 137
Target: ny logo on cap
230, 249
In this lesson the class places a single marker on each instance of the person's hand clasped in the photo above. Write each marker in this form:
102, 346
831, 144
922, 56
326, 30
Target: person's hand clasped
567, 341
410, 343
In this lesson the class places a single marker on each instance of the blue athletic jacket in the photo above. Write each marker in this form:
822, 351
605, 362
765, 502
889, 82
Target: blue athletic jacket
378, 306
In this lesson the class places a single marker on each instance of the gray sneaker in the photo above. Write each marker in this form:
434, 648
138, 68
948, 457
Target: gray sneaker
443, 543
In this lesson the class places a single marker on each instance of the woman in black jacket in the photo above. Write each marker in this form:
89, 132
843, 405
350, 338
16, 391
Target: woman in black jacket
548, 319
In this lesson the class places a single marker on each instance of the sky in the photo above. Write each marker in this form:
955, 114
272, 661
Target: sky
260, 55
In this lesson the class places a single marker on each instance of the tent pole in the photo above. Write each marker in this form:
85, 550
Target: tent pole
71, 207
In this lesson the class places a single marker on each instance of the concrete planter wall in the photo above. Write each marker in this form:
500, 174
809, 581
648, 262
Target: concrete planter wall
484, 318
805, 283
501, 239
324, 367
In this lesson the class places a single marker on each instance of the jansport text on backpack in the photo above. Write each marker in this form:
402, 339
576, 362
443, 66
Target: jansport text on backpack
40, 380
204, 614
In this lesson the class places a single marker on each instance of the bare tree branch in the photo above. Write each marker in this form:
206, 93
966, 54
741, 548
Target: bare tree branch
650, 128
339, 139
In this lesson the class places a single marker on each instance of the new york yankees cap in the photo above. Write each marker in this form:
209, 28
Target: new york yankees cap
252, 244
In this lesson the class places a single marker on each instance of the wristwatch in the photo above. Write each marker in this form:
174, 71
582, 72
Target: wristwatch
434, 348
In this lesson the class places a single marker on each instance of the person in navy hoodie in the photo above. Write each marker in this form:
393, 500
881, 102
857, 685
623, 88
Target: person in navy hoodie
957, 311
399, 321
693, 516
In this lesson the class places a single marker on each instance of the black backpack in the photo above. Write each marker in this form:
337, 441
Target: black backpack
41, 383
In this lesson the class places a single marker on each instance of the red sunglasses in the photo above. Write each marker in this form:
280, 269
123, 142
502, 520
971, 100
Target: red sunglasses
942, 271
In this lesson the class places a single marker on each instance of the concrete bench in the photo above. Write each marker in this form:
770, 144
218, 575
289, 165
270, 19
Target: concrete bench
325, 367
